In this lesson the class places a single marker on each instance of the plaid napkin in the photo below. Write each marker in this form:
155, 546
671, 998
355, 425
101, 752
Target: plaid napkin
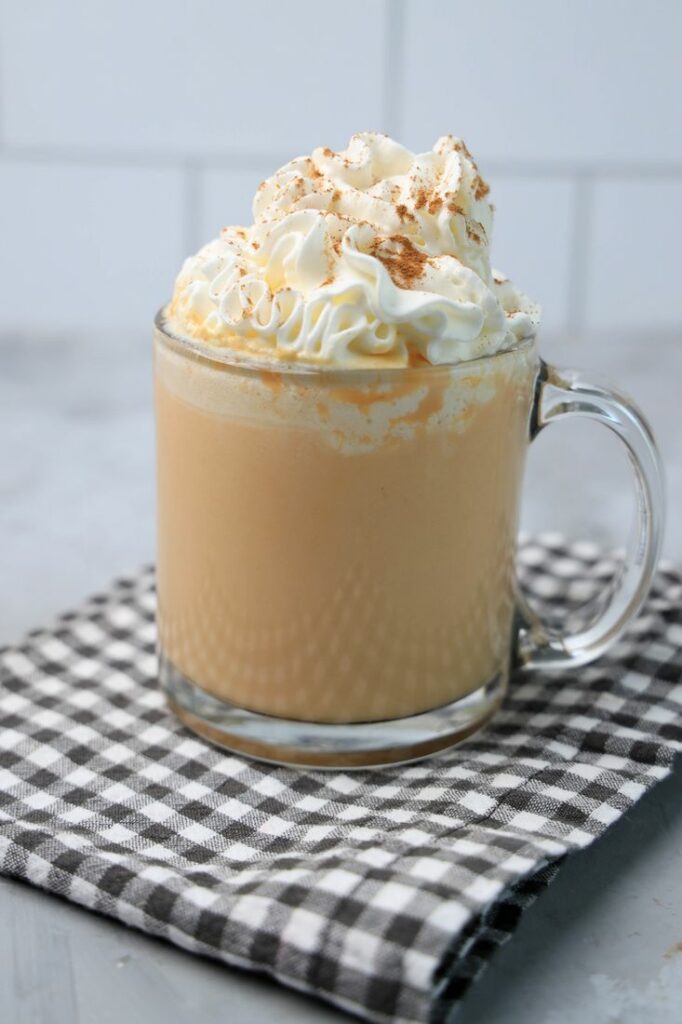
385, 891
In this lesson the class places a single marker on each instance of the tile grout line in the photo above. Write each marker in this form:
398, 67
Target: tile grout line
192, 207
580, 252
111, 158
3, 90
252, 160
394, 70
671, 169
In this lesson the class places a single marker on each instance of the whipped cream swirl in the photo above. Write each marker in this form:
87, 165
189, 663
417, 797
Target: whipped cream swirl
374, 256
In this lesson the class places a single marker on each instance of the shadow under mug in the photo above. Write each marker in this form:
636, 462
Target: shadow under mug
336, 582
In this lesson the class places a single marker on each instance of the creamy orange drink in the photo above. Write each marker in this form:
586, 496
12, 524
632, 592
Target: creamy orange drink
343, 396
313, 571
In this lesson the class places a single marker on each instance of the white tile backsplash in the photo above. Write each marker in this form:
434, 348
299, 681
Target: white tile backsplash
635, 265
130, 132
532, 240
200, 77
85, 247
590, 80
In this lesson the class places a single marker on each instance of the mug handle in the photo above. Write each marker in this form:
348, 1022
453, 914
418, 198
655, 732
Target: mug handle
561, 394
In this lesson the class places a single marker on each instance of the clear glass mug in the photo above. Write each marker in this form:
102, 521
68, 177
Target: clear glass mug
336, 548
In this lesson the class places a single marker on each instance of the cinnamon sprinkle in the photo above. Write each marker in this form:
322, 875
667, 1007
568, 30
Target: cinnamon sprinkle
461, 147
481, 187
429, 199
422, 199
404, 213
403, 261
473, 235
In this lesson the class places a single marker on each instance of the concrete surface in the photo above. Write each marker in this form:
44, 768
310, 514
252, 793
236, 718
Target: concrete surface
76, 507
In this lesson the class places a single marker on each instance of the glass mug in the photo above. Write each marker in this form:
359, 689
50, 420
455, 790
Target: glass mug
336, 548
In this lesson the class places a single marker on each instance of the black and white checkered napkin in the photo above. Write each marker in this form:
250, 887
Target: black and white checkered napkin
385, 891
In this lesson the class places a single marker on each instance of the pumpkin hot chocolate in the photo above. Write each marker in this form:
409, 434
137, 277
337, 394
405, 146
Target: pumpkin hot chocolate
339, 455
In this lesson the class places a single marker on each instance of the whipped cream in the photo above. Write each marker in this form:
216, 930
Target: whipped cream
374, 256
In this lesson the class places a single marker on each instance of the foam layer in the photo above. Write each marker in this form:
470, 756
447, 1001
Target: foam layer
350, 411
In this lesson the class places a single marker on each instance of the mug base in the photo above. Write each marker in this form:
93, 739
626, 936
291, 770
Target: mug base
328, 745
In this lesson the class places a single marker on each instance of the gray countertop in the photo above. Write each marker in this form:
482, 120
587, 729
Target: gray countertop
76, 507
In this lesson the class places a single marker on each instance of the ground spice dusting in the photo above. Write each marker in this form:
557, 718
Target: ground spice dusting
481, 187
461, 147
403, 261
431, 200
473, 235
422, 199
403, 212
455, 208
328, 152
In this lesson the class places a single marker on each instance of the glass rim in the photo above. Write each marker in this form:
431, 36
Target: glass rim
228, 359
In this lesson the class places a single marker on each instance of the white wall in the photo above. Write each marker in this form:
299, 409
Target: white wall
130, 131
